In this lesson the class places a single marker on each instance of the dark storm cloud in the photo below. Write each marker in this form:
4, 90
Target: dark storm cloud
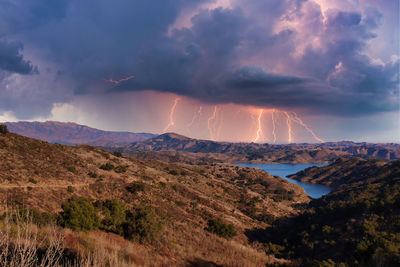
336, 78
255, 77
11, 59
227, 55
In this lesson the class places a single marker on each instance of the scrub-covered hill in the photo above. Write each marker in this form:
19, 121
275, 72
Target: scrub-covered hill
163, 213
358, 224
345, 172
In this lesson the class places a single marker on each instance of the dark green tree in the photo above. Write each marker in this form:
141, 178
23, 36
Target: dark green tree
3, 129
114, 216
141, 225
79, 214
217, 226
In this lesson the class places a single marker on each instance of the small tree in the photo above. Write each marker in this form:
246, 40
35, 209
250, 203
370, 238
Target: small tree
79, 214
135, 187
107, 166
117, 154
217, 226
114, 216
141, 225
3, 129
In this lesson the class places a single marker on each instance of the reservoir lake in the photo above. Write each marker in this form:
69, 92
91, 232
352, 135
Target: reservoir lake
283, 170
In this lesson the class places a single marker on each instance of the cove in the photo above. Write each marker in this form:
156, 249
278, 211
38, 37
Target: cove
283, 170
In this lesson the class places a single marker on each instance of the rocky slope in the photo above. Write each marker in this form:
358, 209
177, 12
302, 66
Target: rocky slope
184, 197
74, 134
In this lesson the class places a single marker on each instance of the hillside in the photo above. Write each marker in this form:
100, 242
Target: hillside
345, 172
356, 225
74, 134
268, 153
183, 197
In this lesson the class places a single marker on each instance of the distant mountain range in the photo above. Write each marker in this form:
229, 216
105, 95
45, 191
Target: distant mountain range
74, 134
147, 144
251, 152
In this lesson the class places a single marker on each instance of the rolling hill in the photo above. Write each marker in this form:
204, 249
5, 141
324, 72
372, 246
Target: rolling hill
74, 134
113, 210
180, 198
355, 225
346, 172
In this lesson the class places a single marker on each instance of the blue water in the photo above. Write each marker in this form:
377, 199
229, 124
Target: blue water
283, 170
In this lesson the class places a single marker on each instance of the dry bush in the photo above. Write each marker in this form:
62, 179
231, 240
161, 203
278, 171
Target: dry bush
98, 249
22, 244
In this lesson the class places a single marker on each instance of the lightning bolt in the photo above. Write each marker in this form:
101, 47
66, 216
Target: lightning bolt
119, 81
210, 119
171, 115
259, 130
273, 125
299, 121
289, 126
196, 115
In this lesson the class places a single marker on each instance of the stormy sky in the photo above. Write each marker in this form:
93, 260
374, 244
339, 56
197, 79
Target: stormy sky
335, 63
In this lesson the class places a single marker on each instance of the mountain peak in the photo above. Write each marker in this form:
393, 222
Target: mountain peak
172, 135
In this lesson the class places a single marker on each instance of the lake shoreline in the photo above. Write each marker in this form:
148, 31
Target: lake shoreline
284, 170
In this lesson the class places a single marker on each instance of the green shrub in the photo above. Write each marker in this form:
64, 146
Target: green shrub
70, 189
24, 214
114, 215
79, 214
3, 129
180, 203
135, 187
71, 169
33, 181
173, 172
282, 194
107, 167
326, 229
141, 225
117, 154
92, 175
274, 249
121, 168
267, 218
42, 218
218, 227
